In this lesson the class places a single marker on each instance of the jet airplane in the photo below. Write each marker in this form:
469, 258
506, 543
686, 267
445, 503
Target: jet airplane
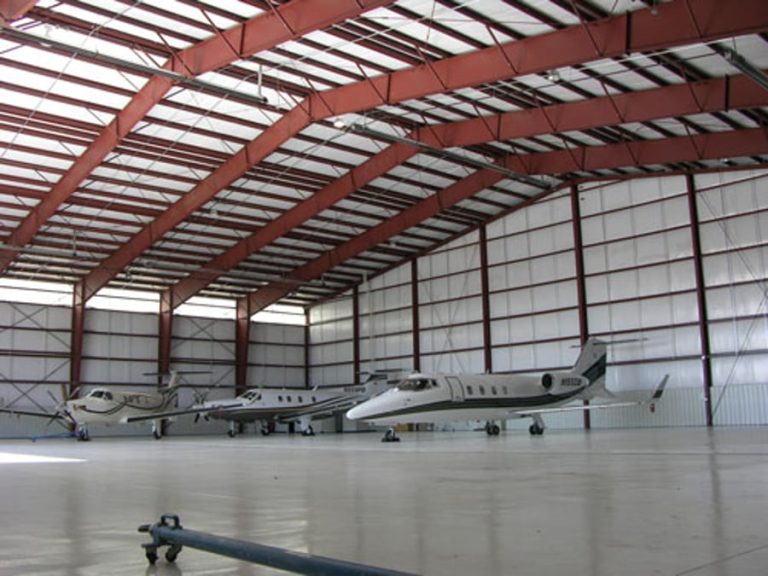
428, 398
272, 406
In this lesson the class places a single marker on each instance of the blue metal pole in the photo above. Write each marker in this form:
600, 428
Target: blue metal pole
173, 535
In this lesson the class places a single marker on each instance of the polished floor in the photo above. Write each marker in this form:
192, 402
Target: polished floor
685, 501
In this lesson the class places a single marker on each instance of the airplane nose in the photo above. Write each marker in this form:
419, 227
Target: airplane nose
355, 413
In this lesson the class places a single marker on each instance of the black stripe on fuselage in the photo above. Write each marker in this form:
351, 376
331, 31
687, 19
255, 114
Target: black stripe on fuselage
516, 404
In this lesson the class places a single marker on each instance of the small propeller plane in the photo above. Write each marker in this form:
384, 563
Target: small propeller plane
105, 406
273, 406
429, 398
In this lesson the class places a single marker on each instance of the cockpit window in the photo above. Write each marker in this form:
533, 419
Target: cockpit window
105, 394
416, 384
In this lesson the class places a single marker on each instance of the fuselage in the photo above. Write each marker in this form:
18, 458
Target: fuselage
443, 398
102, 406
282, 405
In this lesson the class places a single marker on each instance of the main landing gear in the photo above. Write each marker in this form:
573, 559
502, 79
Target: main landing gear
308, 431
390, 436
492, 429
537, 428
82, 434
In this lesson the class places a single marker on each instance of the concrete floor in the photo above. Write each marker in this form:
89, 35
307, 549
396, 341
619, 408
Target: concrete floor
632, 502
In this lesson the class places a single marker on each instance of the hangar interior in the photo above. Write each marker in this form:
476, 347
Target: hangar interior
290, 193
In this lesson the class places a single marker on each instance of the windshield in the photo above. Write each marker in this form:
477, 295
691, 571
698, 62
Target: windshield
416, 384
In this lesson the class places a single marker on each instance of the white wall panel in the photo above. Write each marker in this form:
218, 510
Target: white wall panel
735, 337
395, 321
125, 322
746, 265
397, 276
469, 362
731, 193
735, 301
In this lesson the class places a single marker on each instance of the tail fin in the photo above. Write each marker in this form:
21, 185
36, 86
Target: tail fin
591, 363
173, 381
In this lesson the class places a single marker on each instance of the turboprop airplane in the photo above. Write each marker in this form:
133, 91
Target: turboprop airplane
273, 406
428, 398
105, 406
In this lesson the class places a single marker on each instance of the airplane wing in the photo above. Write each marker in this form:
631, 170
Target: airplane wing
620, 404
172, 413
40, 414
323, 409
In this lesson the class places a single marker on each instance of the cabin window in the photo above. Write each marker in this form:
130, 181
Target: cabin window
300, 399
493, 390
314, 399
482, 390
416, 384
288, 398
279, 398
506, 392
469, 390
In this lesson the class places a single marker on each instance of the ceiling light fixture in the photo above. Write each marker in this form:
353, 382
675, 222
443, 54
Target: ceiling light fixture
47, 42
361, 129
738, 61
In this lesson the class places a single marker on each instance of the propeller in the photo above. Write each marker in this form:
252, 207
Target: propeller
200, 399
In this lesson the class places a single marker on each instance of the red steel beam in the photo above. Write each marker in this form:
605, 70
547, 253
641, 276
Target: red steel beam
748, 142
260, 33
676, 23
734, 143
680, 100
14, 9
705, 96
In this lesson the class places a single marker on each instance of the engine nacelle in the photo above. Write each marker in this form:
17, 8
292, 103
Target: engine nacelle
557, 384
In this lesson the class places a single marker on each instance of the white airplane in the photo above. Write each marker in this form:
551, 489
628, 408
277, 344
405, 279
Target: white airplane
428, 398
105, 406
273, 406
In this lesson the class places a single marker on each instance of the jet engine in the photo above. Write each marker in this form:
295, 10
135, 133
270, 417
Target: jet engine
557, 384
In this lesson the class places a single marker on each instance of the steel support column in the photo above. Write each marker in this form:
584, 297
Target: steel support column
701, 299
165, 332
415, 324
486, 301
77, 332
356, 334
242, 344
581, 287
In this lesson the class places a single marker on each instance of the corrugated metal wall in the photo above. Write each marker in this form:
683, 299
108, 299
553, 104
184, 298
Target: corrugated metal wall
640, 281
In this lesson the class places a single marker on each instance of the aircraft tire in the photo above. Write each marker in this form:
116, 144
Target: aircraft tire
308, 431
536, 430
495, 430
231, 433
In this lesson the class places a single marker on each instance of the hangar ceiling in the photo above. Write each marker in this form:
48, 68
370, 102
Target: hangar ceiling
282, 151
